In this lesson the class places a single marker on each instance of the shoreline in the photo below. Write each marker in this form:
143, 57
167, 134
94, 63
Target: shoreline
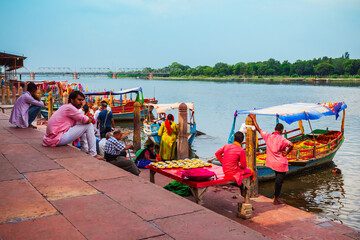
257, 79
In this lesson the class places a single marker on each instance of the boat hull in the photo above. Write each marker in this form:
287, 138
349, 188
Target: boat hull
265, 173
129, 115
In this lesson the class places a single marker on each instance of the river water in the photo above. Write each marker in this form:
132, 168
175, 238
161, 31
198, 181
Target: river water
328, 195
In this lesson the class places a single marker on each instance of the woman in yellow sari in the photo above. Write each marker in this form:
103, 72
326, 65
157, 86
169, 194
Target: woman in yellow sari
168, 132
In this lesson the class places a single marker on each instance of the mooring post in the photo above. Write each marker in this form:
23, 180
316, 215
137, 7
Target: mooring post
3, 94
13, 94
251, 189
182, 144
137, 124
50, 105
251, 155
343, 122
65, 98
8, 95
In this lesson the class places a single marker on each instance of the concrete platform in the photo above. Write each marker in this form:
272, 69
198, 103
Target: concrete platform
62, 193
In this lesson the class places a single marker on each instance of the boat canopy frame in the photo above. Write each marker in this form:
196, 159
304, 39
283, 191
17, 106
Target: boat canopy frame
162, 108
294, 112
137, 90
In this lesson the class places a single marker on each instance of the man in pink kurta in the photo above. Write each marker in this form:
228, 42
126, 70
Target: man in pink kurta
277, 148
67, 124
233, 160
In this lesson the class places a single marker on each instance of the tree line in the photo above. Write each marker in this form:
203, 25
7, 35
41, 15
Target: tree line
325, 66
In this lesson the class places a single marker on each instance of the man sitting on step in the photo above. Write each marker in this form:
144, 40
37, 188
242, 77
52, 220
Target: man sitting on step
67, 125
113, 149
26, 108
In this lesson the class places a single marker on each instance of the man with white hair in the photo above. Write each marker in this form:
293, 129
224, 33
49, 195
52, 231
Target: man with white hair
103, 142
113, 149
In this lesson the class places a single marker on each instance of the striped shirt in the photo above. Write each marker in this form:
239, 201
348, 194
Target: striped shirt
113, 147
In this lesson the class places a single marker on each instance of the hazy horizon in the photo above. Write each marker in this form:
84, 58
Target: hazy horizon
155, 33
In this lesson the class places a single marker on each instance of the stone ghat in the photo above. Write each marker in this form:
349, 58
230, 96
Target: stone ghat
62, 193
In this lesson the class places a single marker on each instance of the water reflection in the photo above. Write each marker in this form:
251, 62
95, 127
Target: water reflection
319, 191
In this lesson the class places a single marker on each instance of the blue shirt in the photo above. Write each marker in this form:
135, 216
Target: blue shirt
102, 116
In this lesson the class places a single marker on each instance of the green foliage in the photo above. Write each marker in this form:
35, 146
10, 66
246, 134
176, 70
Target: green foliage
334, 76
324, 68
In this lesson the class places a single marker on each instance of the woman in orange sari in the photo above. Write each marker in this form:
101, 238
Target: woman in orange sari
168, 132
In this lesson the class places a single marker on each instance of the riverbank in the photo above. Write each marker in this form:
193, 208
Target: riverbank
271, 80
62, 193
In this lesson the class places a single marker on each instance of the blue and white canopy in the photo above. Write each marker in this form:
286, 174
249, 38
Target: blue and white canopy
132, 90
298, 111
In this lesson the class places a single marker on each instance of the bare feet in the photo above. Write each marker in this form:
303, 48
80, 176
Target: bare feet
278, 201
32, 126
99, 157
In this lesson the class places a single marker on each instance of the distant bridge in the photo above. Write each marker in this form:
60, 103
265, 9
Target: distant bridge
91, 71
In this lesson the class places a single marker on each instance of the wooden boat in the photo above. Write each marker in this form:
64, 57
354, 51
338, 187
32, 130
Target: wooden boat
57, 89
122, 108
310, 150
151, 127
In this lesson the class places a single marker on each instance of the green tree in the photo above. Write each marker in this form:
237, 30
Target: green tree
285, 68
324, 68
238, 69
346, 55
270, 72
298, 67
223, 69
208, 71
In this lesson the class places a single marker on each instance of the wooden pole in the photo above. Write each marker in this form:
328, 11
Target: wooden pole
50, 105
13, 94
251, 155
343, 122
182, 144
137, 123
7, 95
65, 98
3, 92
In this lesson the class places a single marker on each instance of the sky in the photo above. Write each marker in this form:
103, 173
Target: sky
154, 33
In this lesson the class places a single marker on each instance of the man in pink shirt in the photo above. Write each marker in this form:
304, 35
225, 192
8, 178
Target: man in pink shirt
233, 160
68, 124
277, 148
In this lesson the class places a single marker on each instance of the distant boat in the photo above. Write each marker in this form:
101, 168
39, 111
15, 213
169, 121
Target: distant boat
151, 127
310, 150
123, 108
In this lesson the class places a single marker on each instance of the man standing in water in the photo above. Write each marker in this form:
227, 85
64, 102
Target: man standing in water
277, 148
